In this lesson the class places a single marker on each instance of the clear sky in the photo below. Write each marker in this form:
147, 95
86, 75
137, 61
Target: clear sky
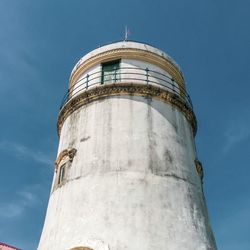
40, 42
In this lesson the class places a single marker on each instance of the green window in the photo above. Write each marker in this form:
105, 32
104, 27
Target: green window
62, 173
111, 72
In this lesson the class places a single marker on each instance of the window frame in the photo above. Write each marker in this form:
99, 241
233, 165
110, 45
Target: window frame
62, 173
62, 167
116, 71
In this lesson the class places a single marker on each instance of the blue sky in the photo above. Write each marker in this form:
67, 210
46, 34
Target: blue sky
40, 43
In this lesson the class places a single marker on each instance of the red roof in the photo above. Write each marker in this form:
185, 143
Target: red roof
4, 246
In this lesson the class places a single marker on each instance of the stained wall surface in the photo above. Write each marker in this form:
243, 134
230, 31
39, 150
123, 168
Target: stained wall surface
132, 184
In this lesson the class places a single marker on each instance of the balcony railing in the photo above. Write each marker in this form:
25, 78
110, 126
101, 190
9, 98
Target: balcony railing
127, 75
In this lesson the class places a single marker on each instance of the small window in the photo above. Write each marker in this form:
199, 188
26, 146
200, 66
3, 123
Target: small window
110, 72
62, 173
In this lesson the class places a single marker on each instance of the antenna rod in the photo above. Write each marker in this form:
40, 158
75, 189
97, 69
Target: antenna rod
126, 33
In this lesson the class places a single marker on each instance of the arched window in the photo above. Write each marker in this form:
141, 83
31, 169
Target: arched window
61, 175
62, 165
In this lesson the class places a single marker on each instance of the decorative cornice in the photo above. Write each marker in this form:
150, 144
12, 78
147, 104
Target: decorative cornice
65, 153
128, 53
116, 89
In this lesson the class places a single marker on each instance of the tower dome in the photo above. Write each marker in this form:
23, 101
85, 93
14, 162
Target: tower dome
126, 174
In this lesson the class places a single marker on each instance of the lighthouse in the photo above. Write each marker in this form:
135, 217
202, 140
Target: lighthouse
127, 175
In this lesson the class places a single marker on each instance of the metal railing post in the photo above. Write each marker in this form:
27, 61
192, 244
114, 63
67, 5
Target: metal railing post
173, 85
147, 70
87, 81
115, 75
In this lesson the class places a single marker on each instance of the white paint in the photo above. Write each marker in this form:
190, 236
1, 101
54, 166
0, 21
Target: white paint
87, 80
124, 44
132, 184
156, 76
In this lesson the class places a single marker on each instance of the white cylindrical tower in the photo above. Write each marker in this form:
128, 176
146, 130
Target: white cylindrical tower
126, 174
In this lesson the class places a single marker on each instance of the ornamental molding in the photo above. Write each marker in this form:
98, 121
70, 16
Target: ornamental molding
128, 53
199, 168
125, 89
70, 153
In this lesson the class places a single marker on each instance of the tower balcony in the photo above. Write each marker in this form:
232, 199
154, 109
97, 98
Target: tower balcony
110, 79
127, 76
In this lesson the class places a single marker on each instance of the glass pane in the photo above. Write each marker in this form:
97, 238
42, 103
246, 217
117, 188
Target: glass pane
62, 173
110, 72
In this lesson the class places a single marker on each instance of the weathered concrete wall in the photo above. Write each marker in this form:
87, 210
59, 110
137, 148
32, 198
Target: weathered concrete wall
132, 184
